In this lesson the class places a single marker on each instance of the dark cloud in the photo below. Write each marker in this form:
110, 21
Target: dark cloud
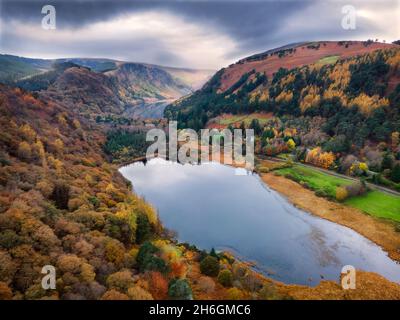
253, 26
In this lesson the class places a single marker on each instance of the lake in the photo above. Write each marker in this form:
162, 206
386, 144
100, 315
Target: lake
208, 205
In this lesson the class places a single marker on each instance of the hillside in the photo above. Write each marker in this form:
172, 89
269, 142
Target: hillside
63, 204
336, 100
294, 56
97, 86
13, 68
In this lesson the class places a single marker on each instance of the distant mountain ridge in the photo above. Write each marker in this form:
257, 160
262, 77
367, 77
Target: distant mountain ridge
102, 85
351, 87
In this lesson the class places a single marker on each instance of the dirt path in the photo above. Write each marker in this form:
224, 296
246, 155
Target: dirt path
378, 231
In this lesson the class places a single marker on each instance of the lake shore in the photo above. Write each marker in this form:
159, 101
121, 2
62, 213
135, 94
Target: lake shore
370, 285
378, 231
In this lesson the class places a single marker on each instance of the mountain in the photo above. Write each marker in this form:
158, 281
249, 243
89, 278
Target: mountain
13, 68
258, 82
103, 85
322, 100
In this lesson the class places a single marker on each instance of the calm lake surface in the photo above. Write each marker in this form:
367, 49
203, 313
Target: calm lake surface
210, 206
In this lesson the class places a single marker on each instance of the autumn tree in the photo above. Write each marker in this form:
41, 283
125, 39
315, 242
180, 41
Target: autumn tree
158, 285
209, 266
179, 289
24, 151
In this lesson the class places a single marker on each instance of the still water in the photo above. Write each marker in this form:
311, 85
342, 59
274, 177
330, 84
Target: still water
210, 206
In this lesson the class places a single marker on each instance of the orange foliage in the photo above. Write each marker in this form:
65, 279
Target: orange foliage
158, 285
319, 158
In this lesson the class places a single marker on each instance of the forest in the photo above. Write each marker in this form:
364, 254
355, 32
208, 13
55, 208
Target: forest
348, 110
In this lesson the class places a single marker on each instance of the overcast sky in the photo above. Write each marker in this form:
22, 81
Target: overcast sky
196, 34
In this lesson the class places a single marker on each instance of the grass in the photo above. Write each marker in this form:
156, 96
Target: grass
321, 183
375, 203
327, 60
378, 204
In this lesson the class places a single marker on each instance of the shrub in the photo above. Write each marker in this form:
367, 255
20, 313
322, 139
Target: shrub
24, 151
138, 293
225, 278
9, 239
209, 266
114, 251
154, 263
341, 194
146, 249
356, 189
114, 295
206, 284
121, 280
158, 285
251, 281
147, 259
143, 228
94, 201
263, 169
179, 289
268, 292
235, 294
5, 291
395, 173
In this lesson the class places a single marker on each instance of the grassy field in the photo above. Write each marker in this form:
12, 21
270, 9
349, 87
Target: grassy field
314, 179
375, 203
327, 60
378, 204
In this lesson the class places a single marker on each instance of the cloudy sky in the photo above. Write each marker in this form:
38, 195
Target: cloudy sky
197, 34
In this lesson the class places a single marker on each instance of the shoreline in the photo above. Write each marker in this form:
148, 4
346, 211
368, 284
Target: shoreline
369, 284
380, 232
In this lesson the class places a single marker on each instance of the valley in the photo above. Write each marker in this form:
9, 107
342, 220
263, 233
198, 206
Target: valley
168, 231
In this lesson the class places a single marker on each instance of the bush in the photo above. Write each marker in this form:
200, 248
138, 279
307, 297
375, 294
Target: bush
94, 201
235, 294
138, 293
121, 280
356, 189
268, 292
263, 169
143, 228
395, 173
158, 286
147, 259
206, 284
154, 263
146, 249
9, 239
341, 194
225, 278
209, 266
321, 193
179, 289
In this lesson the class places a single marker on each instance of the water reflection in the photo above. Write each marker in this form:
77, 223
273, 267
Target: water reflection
211, 206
